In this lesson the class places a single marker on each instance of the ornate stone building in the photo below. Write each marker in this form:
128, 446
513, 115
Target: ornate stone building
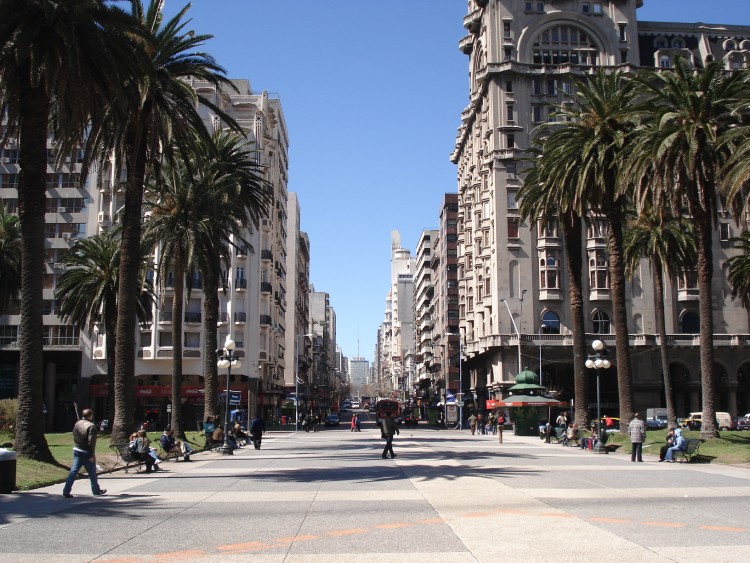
512, 280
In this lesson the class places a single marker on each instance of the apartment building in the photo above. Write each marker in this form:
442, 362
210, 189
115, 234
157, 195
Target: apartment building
512, 278
251, 308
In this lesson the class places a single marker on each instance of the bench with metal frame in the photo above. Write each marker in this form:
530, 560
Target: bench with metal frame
126, 458
691, 450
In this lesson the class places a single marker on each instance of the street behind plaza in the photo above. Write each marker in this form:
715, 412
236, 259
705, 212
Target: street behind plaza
448, 496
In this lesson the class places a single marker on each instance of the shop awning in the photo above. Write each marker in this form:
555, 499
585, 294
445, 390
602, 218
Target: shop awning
524, 401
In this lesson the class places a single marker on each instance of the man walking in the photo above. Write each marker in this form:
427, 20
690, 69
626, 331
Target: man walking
637, 433
257, 427
389, 429
84, 454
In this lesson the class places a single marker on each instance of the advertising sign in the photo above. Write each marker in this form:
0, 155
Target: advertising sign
451, 414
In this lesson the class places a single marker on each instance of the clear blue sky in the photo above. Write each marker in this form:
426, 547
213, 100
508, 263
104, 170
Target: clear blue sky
372, 92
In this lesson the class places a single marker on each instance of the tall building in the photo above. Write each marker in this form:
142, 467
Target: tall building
251, 308
359, 370
398, 326
512, 277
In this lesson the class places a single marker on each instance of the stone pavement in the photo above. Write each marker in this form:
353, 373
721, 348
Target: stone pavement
448, 496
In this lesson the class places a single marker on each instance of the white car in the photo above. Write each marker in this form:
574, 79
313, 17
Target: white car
355, 404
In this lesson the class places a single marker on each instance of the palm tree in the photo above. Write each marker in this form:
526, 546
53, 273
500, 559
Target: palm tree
676, 160
591, 133
87, 291
739, 270
58, 60
230, 171
670, 247
10, 258
165, 116
198, 210
549, 199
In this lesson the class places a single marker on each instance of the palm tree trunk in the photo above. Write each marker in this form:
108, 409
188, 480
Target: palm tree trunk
615, 247
32, 192
573, 235
177, 313
110, 328
210, 320
127, 295
705, 273
661, 329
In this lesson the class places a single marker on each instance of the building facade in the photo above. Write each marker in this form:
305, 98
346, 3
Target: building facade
512, 277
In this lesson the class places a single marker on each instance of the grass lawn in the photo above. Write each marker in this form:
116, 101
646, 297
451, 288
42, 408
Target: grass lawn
733, 447
33, 474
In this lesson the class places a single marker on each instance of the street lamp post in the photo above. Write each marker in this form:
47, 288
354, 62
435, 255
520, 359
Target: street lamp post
296, 382
227, 359
541, 328
598, 361
518, 334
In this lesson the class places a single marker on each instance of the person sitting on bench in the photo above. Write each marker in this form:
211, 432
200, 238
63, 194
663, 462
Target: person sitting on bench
680, 445
172, 446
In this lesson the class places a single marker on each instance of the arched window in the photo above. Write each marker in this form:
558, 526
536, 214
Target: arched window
551, 322
690, 323
601, 323
564, 44
660, 43
678, 43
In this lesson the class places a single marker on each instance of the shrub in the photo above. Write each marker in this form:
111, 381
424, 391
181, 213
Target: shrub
8, 409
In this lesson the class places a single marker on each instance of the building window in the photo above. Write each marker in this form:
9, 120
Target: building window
690, 323
678, 43
623, 31
165, 339
511, 141
599, 270
508, 53
509, 86
548, 272
551, 322
586, 7
724, 234
660, 43
552, 87
550, 230
596, 8
665, 61
537, 114
538, 87
145, 340
513, 224
512, 202
596, 229
192, 340
688, 280
510, 112
9, 181
506, 30
601, 324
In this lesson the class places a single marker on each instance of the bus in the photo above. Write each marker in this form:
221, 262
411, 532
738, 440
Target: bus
384, 406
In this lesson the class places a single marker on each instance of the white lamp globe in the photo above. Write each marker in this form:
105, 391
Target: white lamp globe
590, 364
236, 364
597, 345
606, 364
222, 364
229, 344
599, 363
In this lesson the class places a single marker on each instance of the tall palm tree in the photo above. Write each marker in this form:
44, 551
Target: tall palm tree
591, 133
670, 248
10, 258
197, 211
165, 116
87, 291
676, 160
549, 198
739, 270
230, 171
58, 60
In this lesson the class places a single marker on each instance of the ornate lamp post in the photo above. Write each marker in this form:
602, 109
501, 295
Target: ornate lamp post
296, 383
541, 328
460, 394
518, 334
227, 359
598, 362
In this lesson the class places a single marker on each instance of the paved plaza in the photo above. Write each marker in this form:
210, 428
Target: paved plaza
448, 496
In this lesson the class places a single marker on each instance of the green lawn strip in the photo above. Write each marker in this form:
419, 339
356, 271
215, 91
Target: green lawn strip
32, 474
732, 447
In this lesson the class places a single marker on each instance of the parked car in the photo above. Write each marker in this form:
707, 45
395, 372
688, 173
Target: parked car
693, 422
332, 419
743, 423
655, 423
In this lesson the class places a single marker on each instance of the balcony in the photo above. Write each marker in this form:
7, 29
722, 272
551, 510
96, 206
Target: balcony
240, 284
194, 318
688, 294
165, 317
266, 320
266, 255
240, 317
266, 287
223, 318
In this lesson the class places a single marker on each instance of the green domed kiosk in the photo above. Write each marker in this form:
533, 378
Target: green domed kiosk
529, 404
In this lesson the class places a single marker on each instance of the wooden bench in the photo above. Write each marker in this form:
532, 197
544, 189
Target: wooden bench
691, 450
125, 458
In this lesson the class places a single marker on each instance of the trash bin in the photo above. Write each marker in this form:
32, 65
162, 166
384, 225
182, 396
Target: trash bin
7, 471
